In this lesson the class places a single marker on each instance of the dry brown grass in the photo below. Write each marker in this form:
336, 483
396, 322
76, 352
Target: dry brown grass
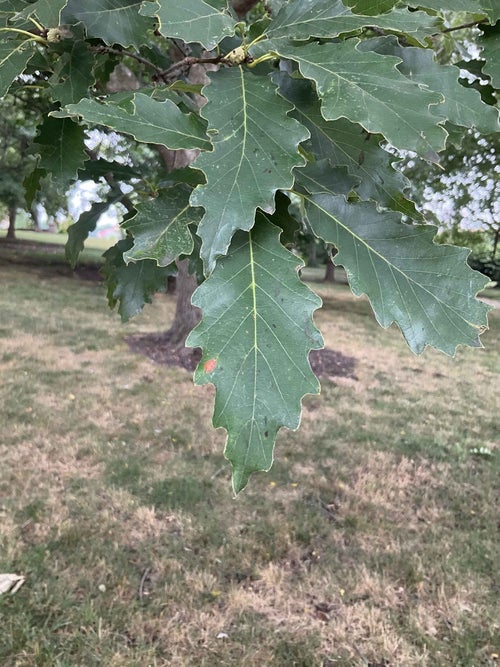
373, 541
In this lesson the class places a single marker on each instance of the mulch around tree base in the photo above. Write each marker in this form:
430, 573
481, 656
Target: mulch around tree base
325, 363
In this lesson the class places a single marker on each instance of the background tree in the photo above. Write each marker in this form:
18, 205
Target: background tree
462, 196
17, 129
304, 102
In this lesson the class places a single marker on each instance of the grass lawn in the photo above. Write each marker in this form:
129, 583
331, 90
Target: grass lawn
373, 542
48, 248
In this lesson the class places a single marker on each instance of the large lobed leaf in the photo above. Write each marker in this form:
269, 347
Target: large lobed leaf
489, 8
427, 289
48, 12
302, 19
256, 333
366, 88
490, 44
74, 74
132, 286
371, 7
147, 120
191, 21
347, 144
79, 231
14, 57
461, 106
161, 227
113, 21
255, 150
62, 152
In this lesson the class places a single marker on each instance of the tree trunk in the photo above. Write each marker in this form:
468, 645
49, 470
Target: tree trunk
330, 271
496, 240
313, 254
35, 216
11, 232
186, 316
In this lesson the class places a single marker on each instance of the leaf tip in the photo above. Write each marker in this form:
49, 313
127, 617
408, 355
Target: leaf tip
241, 475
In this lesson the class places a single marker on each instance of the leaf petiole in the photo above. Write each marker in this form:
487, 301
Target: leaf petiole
36, 24
35, 38
267, 56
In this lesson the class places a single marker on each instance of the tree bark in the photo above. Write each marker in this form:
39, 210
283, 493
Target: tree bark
35, 216
186, 316
312, 260
496, 240
242, 7
11, 232
329, 271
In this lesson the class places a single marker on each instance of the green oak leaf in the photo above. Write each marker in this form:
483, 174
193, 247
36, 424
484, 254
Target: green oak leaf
79, 231
255, 150
461, 106
427, 289
147, 120
191, 21
256, 334
8, 7
32, 184
320, 176
48, 12
187, 175
347, 144
132, 286
470, 6
371, 7
74, 74
490, 44
492, 9
283, 218
366, 88
220, 5
14, 57
96, 169
161, 227
113, 21
331, 18
62, 152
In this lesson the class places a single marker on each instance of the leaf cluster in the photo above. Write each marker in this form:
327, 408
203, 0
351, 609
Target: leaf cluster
292, 117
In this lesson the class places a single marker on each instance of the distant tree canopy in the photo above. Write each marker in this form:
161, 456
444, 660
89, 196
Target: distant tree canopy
268, 118
462, 196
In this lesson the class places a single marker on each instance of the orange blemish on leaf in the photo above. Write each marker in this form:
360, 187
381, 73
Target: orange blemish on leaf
210, 365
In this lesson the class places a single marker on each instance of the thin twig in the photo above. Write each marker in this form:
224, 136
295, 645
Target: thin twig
384, 33
461, 27
143, 581
160, 74
124, 52
187, 62
218, 472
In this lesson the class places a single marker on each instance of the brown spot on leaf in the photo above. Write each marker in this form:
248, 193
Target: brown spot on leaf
210, 365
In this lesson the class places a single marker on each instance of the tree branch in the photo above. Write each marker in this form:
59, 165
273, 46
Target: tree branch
472, 24
165, 75
242, 7
124, 52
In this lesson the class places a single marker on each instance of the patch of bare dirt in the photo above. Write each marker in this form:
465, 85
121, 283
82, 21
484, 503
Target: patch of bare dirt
325, 363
